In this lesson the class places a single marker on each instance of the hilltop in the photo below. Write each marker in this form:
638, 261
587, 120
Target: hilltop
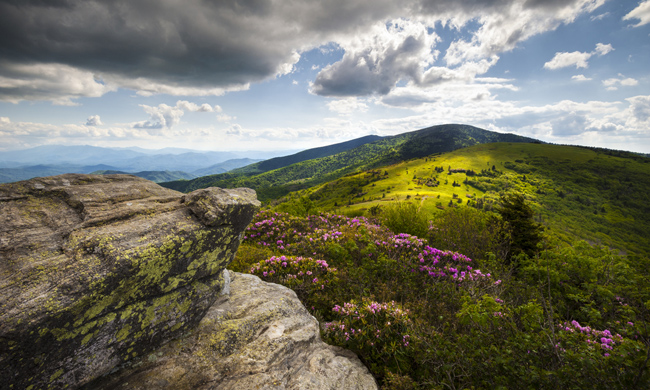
286, 175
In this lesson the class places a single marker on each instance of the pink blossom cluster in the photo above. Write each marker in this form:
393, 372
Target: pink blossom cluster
601, 338
434, 262
293, 268
369, 321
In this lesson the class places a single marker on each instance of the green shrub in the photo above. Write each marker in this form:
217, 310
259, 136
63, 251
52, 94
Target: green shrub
406, 217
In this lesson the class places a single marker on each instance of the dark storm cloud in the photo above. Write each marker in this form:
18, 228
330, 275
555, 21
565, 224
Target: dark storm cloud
181, 42
189, 46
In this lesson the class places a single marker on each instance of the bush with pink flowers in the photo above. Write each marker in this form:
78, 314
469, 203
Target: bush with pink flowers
424, 317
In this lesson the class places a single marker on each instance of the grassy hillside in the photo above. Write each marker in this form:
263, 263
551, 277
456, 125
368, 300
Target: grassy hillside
305, 174
596, 195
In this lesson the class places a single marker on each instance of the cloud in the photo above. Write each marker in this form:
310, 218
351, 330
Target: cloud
569, 124
94, 120
4, 120
456, 93
581, 77
376, 60
640, 108
203, 48
602, 49
641, 12
562, 60
613, 83
225, 118
373, 63
235, 130
164, 116
599, 17
58, 83
347, 106
579, 59
189, 106
504, 24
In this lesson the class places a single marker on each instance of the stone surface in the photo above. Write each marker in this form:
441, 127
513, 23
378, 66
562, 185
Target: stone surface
96, 270
259, 336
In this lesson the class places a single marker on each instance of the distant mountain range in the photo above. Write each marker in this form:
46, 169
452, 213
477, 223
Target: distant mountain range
278, 176
57, 159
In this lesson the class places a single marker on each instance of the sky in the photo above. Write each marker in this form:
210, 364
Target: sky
235, 75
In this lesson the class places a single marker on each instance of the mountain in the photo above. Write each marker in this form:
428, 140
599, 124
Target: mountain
309, 172
8, 175
154, 176
57, 159
58, 154
591, 194
225, 166
310, 154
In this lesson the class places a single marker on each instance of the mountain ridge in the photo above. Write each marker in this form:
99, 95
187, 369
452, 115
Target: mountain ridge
419, 143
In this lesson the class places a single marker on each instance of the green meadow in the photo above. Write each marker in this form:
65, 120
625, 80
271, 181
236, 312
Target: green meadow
577, 193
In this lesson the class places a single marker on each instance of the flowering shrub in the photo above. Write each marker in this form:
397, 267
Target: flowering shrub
601, 354
378, 332
328, 235
457, 326
311, 279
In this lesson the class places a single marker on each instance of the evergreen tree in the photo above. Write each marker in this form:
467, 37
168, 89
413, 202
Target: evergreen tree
525, 232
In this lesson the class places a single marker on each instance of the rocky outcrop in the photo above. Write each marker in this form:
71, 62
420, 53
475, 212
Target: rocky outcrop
98, 270
256, 336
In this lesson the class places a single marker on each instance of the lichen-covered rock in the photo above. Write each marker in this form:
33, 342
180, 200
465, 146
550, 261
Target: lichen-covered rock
217, 206
259, 336
96, 270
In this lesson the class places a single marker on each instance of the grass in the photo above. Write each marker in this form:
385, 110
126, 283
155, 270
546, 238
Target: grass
577, 193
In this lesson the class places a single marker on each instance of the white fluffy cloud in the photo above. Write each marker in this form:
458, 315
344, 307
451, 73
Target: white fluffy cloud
641, 12
508, 23
563, 60
94, 120
347, 106
579, 59
581, 77
165, 116
374, 62
640, 110
613, 83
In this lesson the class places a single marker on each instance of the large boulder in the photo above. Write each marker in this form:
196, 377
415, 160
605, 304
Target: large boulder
97, 270
257, 335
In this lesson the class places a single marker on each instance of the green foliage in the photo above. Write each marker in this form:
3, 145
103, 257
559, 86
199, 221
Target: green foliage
470, 231
406, 217
301, 207
525, 233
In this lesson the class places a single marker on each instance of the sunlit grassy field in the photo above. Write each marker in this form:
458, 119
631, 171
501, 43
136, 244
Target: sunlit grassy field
576, 192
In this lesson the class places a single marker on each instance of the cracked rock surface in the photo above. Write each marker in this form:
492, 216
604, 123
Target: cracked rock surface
98, 270
258, 335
